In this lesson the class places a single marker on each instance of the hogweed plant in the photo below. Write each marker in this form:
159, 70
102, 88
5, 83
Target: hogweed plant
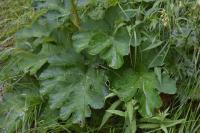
81, 56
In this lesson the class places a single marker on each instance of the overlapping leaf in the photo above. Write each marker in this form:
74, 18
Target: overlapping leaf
109, 48
73, 91
106, 37
71, 88
141, 86
56, 14
167, 85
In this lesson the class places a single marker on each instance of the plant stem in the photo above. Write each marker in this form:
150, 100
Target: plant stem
75, 14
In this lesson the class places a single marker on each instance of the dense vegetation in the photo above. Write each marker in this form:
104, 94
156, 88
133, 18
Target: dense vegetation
101, 66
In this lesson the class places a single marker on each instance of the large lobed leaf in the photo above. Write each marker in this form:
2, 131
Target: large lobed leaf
71, 88
73, 91
144, 87
109, 48
107, 37
140, 86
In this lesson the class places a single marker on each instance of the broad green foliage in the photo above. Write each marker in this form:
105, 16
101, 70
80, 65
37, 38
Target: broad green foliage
110, 48
73, 91
79, 54
140, 86
167, 85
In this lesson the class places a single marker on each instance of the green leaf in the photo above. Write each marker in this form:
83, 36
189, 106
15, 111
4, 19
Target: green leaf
145, 83
159, 58
97, 14
153, 45
167, 85
130, 110
157, 71
35, 30
110, 95
69, 58
124, 86
148, 126
114, 15
109, 48
149, 101
131, 116
28, 62
117, 112
164, 128
73, 92
56, 14
107, 115
81, 40
82, 3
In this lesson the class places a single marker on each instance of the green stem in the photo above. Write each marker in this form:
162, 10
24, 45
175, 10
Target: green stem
75, 14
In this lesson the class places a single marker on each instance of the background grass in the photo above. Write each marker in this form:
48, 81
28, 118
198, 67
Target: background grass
14, 14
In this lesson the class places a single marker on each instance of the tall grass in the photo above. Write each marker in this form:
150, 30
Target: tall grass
191, 113
13, 15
